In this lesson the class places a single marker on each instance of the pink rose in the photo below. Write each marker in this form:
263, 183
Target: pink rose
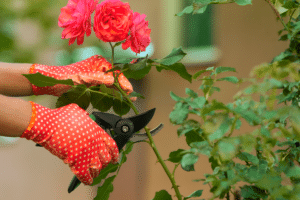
112, 20
76, 19
139, 37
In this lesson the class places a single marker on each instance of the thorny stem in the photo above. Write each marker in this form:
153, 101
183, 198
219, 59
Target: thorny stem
278, 15
152, 144
233, 126
103, 94
291, 15
112, 59
175, 169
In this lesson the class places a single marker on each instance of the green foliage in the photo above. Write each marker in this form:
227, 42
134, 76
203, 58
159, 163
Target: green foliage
274, 118
107, 187
276, 127
105, 190
175, 56
104, 172
199, 6
162, 195
40, 80
197, 193
78, 95
140, 69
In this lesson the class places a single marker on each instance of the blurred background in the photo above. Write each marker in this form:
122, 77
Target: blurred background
225, 35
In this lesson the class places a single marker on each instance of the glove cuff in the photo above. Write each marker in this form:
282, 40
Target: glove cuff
34, 131
26, 134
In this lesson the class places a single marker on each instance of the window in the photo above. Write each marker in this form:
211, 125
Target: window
197, 37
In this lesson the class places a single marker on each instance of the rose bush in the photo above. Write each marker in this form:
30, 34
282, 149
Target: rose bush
276, 126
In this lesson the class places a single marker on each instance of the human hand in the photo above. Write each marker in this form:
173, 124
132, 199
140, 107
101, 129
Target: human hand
89, 72
70, 134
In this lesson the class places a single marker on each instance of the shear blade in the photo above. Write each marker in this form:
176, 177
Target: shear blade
139, 137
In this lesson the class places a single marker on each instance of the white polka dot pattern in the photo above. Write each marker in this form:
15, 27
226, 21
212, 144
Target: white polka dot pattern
70, 134
89, 72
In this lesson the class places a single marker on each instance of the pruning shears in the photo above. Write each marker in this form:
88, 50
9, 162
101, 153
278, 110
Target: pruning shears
121, 130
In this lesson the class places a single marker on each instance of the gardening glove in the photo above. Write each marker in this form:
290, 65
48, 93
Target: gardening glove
70, 134
89, 72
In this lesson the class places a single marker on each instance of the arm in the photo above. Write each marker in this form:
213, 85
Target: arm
89, 72
12, 82
15, 115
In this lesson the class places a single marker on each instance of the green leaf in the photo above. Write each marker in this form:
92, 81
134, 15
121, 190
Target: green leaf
176, 156
128, 149
224, 69
136, 71
78, 95
186, 10
123, 61
182, 130
109, 92
238, 124
197, 102
248, 157
290, 4
188, 159
105, 190
264, 131
41, 80
191, 93
199, 9
203, 147
232, 79
135, 94
139, 65
289, 143
101, 101
249, 115
104, 172
281, 56
220, 132
269, 180
179, 114
188, 126
215, 105
120, 107
118, 43
162, 195
175, 97
253, 192
243, 2
188, 168
197, 193
179, 68
214, 162
197, 74
176, 55
192, 136
294, 172
227, 148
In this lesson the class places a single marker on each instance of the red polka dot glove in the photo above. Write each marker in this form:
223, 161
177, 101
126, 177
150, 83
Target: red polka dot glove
89, 72
70, 134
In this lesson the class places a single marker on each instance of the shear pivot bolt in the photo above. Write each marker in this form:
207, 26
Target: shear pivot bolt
125, 129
